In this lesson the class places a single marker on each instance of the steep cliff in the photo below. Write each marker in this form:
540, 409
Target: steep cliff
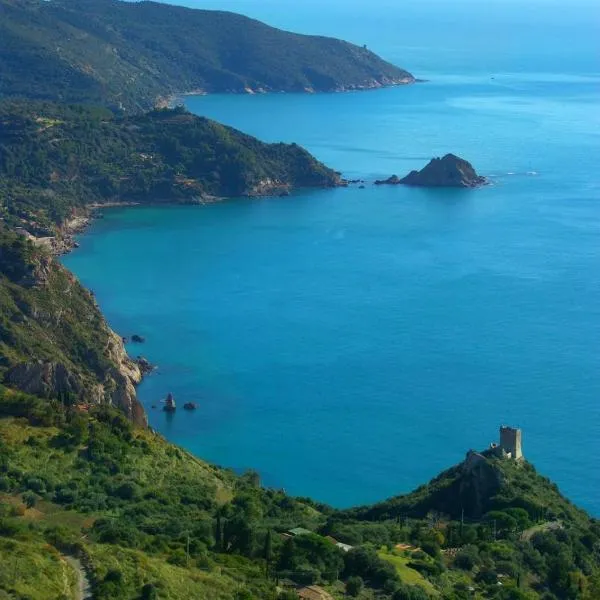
54, 342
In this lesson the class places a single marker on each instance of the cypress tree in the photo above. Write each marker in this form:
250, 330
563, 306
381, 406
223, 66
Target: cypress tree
219, 534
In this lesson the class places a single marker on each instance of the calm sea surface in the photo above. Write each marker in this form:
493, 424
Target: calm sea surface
350, 344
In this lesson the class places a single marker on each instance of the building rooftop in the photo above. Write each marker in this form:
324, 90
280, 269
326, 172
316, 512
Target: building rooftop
313, 592
299, 531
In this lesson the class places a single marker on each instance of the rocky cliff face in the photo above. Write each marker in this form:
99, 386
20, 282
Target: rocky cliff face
50, 379
54, 342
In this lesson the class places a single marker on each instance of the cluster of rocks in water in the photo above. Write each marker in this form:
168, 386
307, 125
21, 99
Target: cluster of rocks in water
146, 367
448, 171
171, 406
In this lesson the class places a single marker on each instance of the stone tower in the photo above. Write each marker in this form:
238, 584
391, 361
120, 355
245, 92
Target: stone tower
510, 442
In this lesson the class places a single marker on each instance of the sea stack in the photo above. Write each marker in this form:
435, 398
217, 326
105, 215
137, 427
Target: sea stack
449, 171
170, 404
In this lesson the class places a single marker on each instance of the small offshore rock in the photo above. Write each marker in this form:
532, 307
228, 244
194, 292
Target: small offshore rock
190, 406
170, 405
393, 180
137, 339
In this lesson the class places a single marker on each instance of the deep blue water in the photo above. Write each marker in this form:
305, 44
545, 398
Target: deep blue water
350, 344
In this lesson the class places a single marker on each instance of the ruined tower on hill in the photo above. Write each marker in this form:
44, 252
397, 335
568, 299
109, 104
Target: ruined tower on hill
510, 442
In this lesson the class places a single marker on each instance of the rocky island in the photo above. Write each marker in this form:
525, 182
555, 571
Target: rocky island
449, 171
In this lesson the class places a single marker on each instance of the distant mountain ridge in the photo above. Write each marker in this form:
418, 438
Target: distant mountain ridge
131, 55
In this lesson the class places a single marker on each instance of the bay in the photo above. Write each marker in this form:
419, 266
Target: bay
350, 344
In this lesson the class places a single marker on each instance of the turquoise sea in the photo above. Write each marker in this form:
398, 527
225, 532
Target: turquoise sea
350, 344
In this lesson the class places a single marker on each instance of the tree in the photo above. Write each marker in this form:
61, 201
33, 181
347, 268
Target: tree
287, 556
219, 534
410, 592
239, 535
268, 547
354, 586
149, 592
467, 558
29, 498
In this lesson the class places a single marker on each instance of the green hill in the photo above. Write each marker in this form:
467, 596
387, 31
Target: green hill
148, 520
475, 487
131, 54
54, 158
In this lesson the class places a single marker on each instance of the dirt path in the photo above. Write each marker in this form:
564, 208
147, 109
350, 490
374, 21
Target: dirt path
549, 526
83, 588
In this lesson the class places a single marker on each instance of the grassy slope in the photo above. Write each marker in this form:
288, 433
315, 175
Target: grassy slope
33, 570
409, 575
154, 464
128, 54
189, 492
127, 500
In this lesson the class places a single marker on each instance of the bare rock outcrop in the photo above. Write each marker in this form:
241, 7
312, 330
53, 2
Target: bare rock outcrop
449, 171
43, 378
61, 344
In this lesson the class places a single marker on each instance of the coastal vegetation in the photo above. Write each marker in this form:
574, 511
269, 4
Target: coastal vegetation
57, 158
130, 55
149, 520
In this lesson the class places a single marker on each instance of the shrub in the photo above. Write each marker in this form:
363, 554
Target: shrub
149, 592
30, 499
431, 548
36, 484
354, 586
467, 558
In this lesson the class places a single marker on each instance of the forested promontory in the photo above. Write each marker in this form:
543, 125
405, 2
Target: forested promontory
130, 54
55, 158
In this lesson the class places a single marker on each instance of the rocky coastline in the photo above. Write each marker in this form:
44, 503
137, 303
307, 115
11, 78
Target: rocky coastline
64, 238
117, 383
177, 99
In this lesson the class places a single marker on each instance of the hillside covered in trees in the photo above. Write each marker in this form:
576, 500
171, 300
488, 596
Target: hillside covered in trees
54, 158
130, 54
149, 520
